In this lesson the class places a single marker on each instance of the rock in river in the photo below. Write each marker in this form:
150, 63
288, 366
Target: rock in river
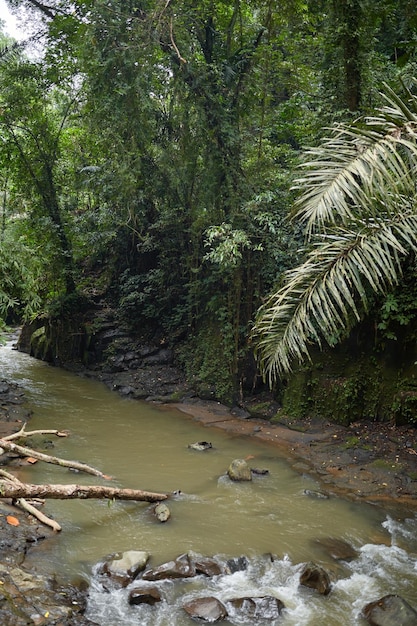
124, 568
261, 609
207, 609
161, 512
144, 595
182, 567
239, 470
338, 549
315, 577
200, 446
391, 610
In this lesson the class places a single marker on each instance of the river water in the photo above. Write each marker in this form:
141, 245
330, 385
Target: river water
145, 447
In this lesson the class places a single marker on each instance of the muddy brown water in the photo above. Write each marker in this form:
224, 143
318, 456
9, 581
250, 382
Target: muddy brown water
146, 447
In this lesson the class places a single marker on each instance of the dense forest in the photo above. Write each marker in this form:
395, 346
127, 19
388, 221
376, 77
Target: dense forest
235, 177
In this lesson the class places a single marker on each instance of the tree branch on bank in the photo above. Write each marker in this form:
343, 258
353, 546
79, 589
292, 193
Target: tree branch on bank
11, 489
30, 508
23, 433
23, 451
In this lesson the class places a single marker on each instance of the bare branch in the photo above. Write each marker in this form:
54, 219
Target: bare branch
23, 451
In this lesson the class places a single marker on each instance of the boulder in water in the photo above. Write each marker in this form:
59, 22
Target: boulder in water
259, 471
124, 568
239, 471
240, 564
200, 446
144, 595
314, 493
207, 609
161, 512
182, 567
263, 608
207, 566
338, 549
391, 610
315, 577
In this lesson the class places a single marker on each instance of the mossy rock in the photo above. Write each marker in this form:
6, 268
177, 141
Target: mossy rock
265, 410
40, 346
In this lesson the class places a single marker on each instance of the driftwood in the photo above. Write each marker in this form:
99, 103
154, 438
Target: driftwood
23, 433
9, 489
12, 487
29, 508
23, 451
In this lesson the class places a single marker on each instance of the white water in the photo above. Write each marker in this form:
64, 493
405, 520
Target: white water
379, 570
145, 447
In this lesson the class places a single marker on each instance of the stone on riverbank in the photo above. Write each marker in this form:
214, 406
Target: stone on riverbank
26, 598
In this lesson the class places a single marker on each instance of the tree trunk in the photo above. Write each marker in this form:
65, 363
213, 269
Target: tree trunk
71, 492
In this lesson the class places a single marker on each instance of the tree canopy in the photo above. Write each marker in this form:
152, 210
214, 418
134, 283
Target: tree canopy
149, 155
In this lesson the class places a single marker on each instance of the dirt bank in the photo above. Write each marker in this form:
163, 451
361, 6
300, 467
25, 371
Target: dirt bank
367, 461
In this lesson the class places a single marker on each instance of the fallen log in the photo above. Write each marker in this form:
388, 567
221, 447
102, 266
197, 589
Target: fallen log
29, 452
13, 490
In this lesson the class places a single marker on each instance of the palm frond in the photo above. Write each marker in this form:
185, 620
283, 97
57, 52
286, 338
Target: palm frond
357, 164
318, 300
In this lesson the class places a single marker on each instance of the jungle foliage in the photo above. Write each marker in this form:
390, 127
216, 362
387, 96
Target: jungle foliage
149, 155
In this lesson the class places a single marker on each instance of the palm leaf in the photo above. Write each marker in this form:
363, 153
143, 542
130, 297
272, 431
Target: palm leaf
358, 163
357, 202
318, 300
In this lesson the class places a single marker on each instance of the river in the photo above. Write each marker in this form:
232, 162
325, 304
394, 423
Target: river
146, 447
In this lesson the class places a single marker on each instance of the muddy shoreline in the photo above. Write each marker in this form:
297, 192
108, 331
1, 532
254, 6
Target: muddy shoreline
367, 461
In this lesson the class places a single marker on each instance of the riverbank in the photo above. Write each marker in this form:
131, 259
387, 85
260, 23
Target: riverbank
367, 461
372, 461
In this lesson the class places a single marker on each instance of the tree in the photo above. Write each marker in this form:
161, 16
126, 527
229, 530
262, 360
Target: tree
358, 208
32, 124
174, 179
183, 103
